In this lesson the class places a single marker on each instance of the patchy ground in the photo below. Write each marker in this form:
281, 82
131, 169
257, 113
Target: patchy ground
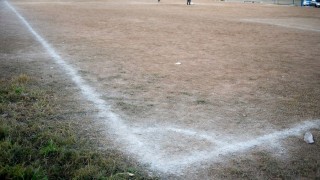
244, 71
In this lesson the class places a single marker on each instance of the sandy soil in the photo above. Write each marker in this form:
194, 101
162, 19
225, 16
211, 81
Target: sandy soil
244, 70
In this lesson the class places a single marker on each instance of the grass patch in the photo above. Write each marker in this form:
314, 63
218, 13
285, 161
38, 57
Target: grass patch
33, 146
201, 102
133, 109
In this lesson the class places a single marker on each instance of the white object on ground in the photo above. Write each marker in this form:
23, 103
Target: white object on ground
178, 63
308, 138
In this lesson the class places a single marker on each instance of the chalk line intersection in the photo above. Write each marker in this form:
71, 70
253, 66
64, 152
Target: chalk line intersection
140, 146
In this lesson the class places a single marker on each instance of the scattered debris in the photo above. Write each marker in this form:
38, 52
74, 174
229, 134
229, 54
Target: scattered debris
308, 138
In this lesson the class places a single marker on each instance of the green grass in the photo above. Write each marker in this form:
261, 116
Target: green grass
33, 146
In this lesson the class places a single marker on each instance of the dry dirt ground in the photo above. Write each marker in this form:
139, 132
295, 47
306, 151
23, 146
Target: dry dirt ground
198, 87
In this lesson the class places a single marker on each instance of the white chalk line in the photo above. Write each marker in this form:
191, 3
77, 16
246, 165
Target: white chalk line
89, 93
215, 151
160, 161
282, 25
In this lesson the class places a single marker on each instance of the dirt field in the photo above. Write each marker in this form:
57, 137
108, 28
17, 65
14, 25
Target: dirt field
188, 80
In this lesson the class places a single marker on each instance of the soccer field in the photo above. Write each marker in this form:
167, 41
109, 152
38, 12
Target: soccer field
184, 87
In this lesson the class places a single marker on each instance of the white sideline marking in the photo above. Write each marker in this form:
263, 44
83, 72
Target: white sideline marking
282, 25
140, 146
216, 152
88, 92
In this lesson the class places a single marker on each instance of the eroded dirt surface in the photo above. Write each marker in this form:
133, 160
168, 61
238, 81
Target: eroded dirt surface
246, 69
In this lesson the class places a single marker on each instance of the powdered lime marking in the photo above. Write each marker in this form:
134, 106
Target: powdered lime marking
214, 153
89, 93
162, 160
271, 22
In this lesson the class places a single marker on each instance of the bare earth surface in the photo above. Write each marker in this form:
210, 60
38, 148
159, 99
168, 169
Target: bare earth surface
194, 84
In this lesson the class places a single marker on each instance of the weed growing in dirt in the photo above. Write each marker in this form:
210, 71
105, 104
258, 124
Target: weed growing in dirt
201, 101
33, 146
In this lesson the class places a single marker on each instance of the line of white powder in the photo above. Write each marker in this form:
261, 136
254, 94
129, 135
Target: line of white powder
218, 149
135, 145
282, 25
113, 120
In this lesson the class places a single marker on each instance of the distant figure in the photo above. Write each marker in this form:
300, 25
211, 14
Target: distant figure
158, 1
188, 2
